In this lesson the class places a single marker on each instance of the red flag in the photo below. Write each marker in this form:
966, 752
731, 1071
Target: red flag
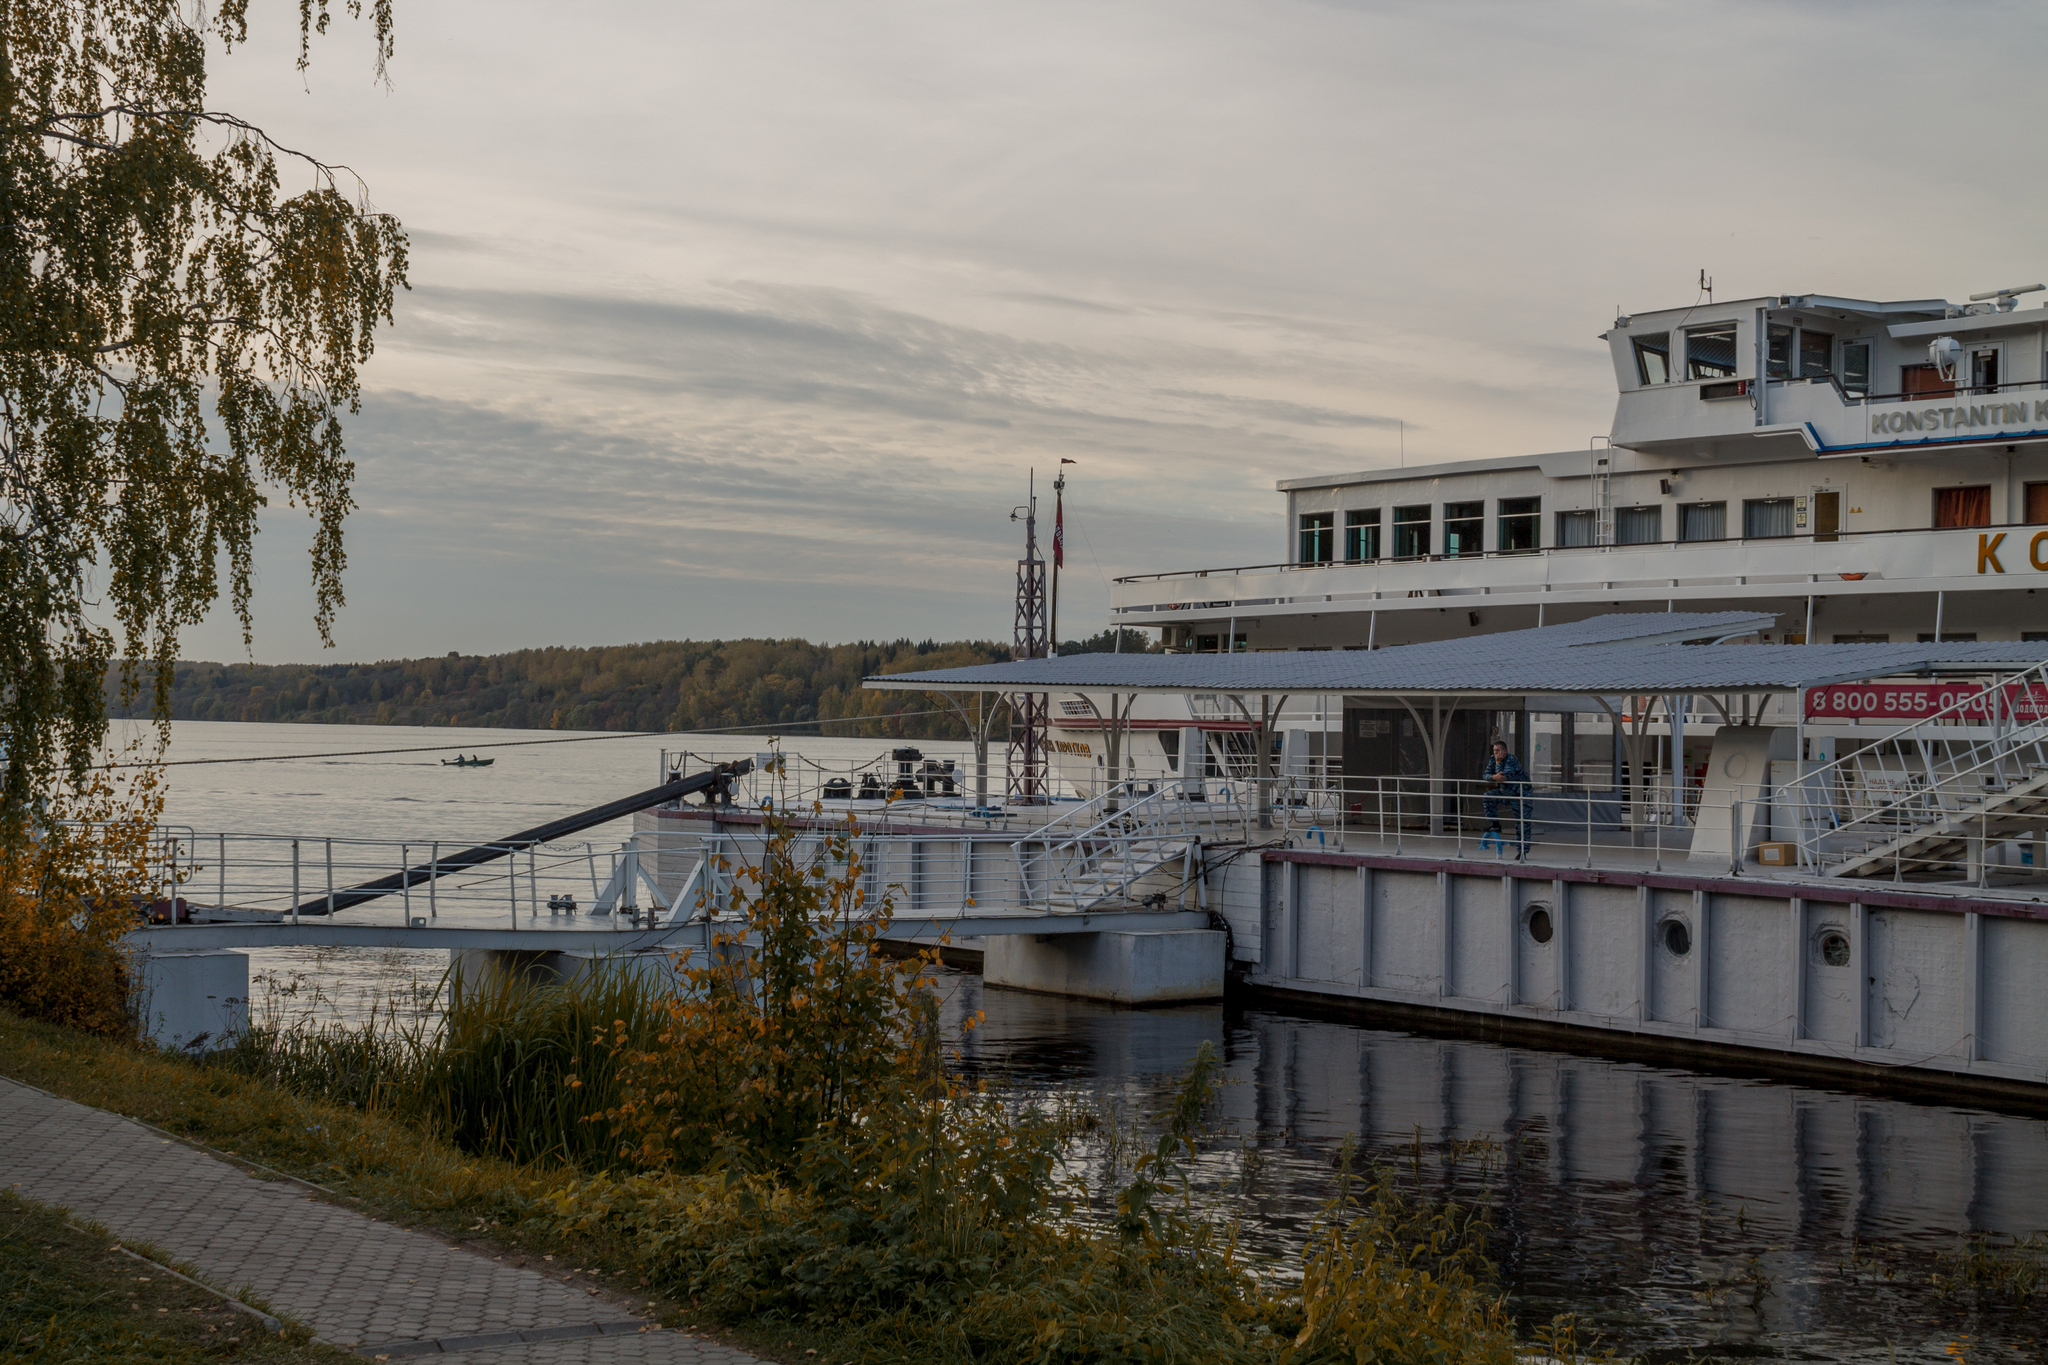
1059, 537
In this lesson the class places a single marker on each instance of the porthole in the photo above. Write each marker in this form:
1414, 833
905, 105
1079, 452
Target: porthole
1538, 923
1834, 947
1677, 937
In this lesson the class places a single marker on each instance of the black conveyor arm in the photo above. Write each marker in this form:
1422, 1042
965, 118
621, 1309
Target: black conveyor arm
716, 780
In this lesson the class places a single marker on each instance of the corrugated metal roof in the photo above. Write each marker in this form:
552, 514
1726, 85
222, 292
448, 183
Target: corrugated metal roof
1634, 653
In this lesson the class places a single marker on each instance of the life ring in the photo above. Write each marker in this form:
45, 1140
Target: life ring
1853, 577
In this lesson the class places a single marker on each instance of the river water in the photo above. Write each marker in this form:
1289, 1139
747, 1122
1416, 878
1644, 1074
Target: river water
1679, 1213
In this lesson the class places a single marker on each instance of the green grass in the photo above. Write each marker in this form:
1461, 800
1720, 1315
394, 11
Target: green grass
67, 1294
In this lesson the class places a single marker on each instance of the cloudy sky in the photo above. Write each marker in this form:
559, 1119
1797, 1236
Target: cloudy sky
752, 318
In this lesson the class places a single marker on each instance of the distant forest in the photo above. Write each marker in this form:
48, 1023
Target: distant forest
662, 686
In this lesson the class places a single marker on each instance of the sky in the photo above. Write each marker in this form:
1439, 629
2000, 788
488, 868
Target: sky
755, 319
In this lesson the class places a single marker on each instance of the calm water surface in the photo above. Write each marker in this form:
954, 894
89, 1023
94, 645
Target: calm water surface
1679, 1212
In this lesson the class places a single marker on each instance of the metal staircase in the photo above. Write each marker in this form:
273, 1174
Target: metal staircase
1091, 857
1969, 777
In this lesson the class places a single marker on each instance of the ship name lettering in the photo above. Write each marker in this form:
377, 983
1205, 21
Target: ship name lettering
2034, 548
1940, 419
1987, 552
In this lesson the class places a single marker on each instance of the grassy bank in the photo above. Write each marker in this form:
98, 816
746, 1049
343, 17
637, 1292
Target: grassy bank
68, 1293
374, 1162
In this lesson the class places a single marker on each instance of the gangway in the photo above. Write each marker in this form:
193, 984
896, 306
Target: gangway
1090, 857
716, 782
1977, 777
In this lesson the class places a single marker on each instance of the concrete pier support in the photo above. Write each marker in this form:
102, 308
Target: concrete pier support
194, 1000
1157, 968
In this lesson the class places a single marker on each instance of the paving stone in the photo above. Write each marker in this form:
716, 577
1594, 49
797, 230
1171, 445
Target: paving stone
351, 1279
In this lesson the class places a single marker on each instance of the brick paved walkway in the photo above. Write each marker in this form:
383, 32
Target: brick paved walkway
356, 1282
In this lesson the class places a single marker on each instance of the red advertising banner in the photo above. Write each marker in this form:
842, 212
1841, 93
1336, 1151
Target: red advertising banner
1974, 702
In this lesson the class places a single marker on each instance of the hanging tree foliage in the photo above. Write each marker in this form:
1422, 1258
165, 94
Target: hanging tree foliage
178, 330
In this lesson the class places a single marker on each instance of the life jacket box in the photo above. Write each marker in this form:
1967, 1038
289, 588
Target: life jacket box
1777, 855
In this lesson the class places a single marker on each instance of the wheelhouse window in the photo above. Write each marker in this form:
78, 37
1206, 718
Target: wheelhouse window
1816, 349
1411, 532
1962, 506
1653, 358
1521, 528
1710, 352
1779, 362
1638, 525
1464, 528
1318, 537
1703, 521
1763, 517
1362, 535
1575, 529
1856, 368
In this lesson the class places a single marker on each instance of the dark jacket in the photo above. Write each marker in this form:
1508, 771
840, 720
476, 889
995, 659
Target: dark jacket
1513, 777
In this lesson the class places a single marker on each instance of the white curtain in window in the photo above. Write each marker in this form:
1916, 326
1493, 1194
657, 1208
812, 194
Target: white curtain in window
1767, 517
1703, 521
1575, 528
1639, 526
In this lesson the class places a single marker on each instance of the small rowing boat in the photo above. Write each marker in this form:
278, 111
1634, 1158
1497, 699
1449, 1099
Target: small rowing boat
460, 762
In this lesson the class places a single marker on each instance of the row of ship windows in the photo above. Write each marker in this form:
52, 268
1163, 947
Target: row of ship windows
1796, 353
1412, 528
1710, 353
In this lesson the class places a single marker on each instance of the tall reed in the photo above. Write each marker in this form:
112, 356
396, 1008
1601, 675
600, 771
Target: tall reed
509, 1066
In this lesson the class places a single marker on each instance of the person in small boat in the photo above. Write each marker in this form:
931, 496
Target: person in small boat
1507, 785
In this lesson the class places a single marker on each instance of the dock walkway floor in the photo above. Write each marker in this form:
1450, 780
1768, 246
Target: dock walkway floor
379, 1290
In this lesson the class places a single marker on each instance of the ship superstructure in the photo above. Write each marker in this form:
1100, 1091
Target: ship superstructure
1864, 471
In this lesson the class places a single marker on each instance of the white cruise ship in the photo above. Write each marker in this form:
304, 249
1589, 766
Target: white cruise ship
1866, 471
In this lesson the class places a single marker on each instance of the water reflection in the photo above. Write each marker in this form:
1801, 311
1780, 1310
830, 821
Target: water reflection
1676, 1210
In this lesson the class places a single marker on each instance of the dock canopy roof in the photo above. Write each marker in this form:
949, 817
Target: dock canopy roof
1643, 653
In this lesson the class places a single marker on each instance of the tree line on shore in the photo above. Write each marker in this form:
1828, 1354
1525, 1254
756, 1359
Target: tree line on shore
668, 685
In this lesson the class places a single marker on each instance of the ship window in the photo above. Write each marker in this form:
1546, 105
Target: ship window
1520, 525
2037, 504
1639, 526
1575, 529
1950, 637
1710, 352
1767, 517
1984, 371
1317, 534
1863, 639
1856, 368
1963, 506
1464, 528
1703, 521
1411, 532
1653, 358
1781, 352
1815, 350
1362, 534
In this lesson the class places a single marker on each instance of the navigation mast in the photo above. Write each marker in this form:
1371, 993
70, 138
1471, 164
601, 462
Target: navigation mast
1030, 718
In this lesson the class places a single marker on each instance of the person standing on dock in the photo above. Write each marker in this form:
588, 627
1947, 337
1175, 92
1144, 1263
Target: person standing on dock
1507, 785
